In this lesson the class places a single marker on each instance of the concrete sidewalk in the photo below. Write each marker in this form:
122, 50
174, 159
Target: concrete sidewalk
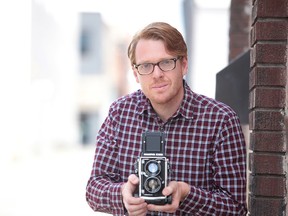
50, 184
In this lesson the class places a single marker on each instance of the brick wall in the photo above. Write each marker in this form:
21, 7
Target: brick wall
268, 108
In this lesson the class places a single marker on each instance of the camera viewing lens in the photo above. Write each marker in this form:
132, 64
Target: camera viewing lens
152, 168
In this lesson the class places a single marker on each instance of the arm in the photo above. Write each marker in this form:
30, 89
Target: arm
103, 192
227, 195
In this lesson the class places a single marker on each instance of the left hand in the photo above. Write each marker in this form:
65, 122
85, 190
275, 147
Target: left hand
178, 190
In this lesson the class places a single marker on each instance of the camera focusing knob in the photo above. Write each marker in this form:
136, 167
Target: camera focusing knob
136, 166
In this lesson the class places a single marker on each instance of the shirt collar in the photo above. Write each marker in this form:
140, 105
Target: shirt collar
143, 103
185, 109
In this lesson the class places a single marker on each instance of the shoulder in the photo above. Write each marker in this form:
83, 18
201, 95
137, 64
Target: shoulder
202, 107
203, 104
128, 103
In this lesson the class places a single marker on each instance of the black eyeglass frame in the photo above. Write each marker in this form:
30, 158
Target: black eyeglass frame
154, 64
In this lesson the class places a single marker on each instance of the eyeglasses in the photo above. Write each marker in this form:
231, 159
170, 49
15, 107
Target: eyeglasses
164, 65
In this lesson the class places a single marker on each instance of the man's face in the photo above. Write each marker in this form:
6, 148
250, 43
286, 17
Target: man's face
160, 87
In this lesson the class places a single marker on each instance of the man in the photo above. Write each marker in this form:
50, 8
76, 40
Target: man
204, 141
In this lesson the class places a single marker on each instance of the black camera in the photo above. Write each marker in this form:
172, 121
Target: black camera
152, 168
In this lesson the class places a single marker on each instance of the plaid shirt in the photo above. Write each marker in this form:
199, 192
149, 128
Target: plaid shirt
204, 144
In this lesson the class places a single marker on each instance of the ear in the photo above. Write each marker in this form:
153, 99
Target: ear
135, 74
184, 65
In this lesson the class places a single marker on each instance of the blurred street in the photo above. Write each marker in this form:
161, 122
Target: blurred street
50, 184
62, 70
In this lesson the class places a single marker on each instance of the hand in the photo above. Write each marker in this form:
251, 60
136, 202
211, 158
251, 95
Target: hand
178, 190
134, 205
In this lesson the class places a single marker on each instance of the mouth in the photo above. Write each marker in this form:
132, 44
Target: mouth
159, 87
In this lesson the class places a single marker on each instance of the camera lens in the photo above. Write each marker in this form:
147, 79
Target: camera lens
152, 184
152, 167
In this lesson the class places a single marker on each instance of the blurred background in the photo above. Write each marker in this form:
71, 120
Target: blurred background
62, 64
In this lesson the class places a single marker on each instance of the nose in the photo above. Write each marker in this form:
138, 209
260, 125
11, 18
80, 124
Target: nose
157, 72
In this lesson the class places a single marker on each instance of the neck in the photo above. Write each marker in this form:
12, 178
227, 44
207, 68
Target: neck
168, 109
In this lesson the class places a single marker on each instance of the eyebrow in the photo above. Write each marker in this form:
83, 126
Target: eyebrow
150, 62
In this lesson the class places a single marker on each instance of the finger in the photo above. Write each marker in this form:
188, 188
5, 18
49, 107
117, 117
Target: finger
134, 201
170, 189
138, 213
170, 208
167, 191
133, 179
131, 184
137, 209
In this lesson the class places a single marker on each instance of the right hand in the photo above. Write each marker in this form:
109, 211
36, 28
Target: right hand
134, 205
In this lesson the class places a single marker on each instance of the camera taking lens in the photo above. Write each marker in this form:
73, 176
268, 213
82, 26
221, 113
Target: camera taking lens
152, 184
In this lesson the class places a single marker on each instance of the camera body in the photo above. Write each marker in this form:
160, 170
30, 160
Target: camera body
152, 168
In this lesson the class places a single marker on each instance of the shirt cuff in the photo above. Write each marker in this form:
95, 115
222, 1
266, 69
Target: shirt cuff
192, 201
116, 202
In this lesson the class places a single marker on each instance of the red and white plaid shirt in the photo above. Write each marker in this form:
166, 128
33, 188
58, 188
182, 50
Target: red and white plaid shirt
204, 144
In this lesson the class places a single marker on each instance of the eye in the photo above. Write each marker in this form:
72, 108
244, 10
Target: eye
166, 62
145, 66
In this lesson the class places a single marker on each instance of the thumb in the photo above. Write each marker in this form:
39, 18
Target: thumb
130, 185
170, 188
133, 179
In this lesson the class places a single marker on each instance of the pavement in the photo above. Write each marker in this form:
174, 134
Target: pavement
47, 184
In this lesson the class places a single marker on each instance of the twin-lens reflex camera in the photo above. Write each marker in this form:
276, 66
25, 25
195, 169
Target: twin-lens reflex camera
152, 168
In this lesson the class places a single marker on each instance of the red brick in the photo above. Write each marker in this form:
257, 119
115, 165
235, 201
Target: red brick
268, 76
272, 164
265, 206
270, 9
266, 53
267, 141
270, 186
272, 30
266, 120
268, 103
267, 98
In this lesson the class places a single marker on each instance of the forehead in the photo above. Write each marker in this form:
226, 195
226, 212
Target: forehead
150, 50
